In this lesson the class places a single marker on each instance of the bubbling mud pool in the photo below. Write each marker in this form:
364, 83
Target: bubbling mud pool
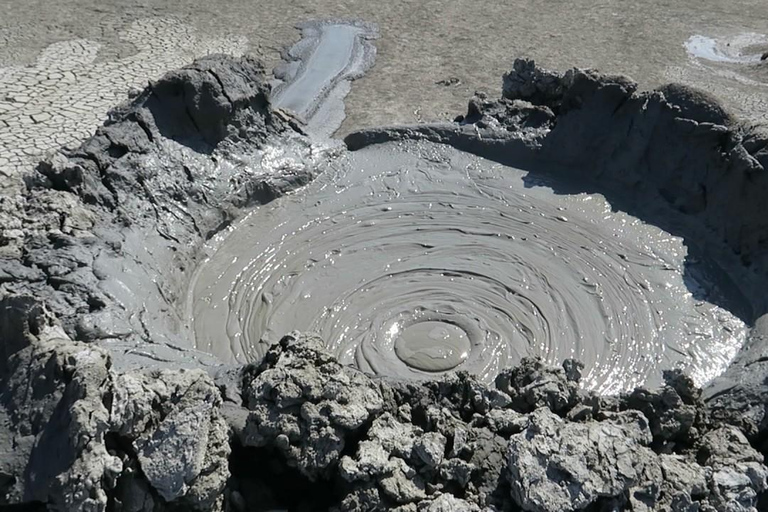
414, 259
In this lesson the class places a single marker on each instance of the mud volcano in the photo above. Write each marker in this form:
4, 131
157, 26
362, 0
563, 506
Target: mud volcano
416, 259
552, 303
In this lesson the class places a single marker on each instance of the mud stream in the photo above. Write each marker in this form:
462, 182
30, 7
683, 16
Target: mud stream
410, 260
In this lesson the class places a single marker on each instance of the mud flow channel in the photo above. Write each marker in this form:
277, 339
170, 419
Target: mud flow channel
412, 259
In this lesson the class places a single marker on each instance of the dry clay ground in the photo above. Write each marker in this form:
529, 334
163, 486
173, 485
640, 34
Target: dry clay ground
432, 54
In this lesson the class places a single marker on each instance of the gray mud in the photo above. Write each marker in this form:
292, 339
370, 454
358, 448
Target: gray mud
314, 77
105, 405
394, 236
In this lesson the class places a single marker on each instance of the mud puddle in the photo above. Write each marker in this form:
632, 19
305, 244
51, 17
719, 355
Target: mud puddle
410, 260
747, 48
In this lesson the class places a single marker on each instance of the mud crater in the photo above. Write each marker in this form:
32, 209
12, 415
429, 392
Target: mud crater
412, 260
575, 215
392, 242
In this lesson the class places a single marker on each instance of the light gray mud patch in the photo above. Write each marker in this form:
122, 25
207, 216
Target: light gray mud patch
316, 75
741, 49
397, 236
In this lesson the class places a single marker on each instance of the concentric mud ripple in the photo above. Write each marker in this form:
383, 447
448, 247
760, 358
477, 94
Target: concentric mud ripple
408, 265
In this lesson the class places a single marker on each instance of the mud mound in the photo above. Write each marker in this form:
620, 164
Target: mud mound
106, 234
105, 407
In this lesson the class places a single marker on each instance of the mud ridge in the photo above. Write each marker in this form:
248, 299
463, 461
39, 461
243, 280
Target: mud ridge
105, 406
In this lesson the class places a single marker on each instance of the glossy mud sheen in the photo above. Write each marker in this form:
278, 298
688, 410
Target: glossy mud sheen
397, 241
314, 79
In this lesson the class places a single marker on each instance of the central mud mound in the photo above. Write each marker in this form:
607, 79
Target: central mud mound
415, 259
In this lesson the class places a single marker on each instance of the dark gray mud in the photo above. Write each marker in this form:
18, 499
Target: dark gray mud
104, 405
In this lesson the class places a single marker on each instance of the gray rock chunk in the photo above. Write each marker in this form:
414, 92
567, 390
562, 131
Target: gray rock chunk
448, 503
533, 384
684, 483
386, 441
430, 448
306, 399
506, 422
558, 466
173, 421
738, 473
402, 484
457, 470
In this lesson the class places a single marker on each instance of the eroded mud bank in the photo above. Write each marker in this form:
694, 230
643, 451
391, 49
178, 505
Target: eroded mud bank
105, 406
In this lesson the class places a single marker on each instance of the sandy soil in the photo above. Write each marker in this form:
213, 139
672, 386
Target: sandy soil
429, 41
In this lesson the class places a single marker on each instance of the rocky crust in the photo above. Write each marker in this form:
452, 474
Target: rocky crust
102, 407
302, 432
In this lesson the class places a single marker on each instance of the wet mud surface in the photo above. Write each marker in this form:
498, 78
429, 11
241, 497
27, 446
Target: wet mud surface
111, 399
314, 79
394, 236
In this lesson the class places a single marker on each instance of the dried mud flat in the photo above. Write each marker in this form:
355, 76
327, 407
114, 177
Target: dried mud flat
109, 402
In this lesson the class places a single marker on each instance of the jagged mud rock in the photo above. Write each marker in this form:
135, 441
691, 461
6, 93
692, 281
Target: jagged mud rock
172, 424
108, 233
163, 438
737, 470
80, 436
102, 407
54, 414
676, 411
305, 403
533, 384
554, 465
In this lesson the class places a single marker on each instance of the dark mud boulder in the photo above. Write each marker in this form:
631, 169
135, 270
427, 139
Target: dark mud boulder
531, 83
304, 403
696, 104
675, 411
215, 99
533, 384
211, 99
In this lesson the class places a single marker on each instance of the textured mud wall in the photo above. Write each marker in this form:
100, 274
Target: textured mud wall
72, 85
102, 407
